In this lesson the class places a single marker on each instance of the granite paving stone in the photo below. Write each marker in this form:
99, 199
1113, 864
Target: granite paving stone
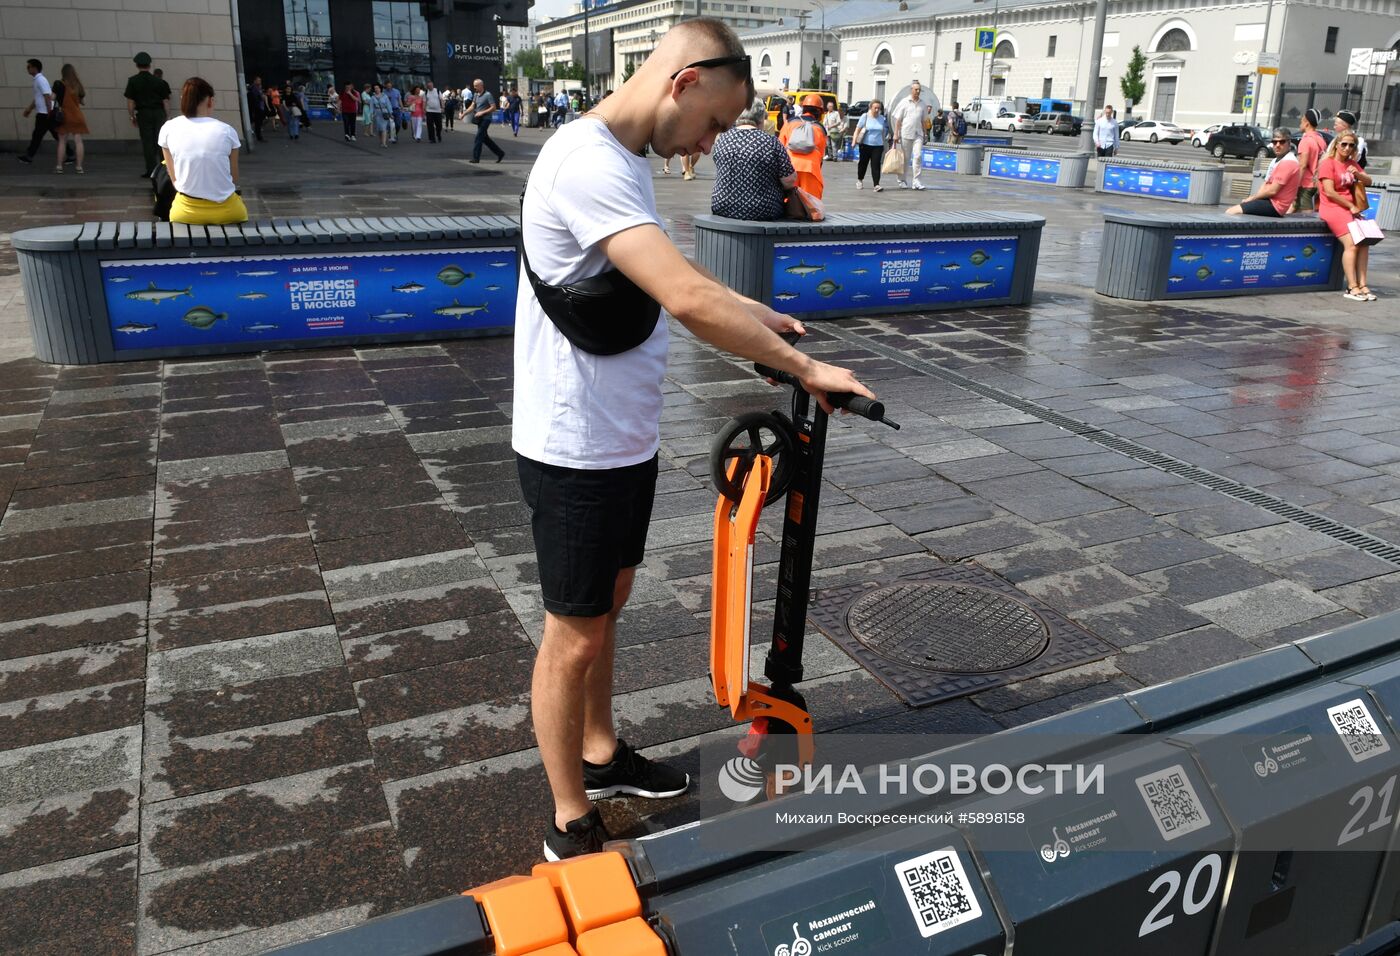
82, 905
1071, 591
1264, 608
68, 825
1273, 543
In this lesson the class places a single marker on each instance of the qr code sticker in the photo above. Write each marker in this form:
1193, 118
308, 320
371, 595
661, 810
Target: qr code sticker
1358, 730
938, 891
1172, 801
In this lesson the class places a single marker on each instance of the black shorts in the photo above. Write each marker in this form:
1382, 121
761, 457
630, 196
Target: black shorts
588, 525
1260, 207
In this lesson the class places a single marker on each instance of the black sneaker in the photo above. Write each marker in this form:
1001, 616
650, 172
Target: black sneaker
24, 159
584, 835
630, 773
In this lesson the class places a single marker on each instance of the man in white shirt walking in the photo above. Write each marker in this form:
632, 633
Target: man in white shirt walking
1106, 133
42, 108
586, 419
432, 107
911, 119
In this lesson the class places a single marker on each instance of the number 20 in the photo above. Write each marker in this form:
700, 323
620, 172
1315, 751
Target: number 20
1190, 903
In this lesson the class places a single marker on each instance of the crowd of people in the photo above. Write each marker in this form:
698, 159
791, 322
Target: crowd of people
384, 111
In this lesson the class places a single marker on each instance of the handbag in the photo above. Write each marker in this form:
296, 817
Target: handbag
802, 206
56, 117
1365, 232
1359, 198
163, 192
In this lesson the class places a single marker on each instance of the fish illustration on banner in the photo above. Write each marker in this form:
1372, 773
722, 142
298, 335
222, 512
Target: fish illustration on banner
307, 298
1140, 181
1011, 166
827, 277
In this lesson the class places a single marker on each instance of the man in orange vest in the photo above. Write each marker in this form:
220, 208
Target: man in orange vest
805, 140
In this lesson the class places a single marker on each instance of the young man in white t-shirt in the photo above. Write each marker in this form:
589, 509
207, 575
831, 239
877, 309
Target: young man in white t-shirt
586, 426
42, 108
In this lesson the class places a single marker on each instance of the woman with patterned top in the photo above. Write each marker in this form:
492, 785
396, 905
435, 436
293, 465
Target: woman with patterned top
751, 170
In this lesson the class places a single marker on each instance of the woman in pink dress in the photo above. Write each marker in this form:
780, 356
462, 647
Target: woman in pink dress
417, 108
1338, 175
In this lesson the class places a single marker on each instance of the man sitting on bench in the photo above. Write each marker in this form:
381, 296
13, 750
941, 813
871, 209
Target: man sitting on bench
1280, 187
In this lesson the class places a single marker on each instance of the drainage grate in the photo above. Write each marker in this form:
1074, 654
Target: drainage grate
950, 632
1346, 534
960, 628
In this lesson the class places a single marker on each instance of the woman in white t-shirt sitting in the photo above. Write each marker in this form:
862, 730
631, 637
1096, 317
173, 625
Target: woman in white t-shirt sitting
201, 154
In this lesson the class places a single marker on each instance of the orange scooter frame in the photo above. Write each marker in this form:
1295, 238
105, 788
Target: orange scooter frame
731, 612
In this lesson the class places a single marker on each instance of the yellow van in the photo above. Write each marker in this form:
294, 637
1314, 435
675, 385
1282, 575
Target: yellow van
774, 100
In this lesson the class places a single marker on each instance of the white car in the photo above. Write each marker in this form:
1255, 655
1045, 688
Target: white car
1155, 131
1200, 136
1014, 122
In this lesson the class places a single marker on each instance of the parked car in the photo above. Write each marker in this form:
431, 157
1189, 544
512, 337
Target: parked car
1078, 122
1053, 123
1200, 137
1154, 131
1014, 122
1126, 124
1240, 140
858, 109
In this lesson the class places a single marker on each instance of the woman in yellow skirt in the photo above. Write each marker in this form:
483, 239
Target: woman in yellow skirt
201, 154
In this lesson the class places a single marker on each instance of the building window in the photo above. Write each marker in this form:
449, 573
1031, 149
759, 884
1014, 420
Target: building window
401, 43
953, 93
1101, 92
1050, 50
1331, 46
1045, 88
766, 62
1004, 51
308, 24
850, 91
1174, 40
1237, 98
957, 52
787, 58
883, 58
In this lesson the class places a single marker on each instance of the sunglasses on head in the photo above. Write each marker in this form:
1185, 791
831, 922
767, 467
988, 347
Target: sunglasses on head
717, 61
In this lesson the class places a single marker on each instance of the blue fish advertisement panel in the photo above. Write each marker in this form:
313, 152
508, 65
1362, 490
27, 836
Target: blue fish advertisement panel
1242, 263
1011, 166
1162, 183
940, 157
831, 276
975, 140
1374, 197
155, 304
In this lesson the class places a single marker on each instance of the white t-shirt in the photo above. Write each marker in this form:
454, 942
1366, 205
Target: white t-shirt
41, 87
433, 101
200, 148
909, 117
573, 409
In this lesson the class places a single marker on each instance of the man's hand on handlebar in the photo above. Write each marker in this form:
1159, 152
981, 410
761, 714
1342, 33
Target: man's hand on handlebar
822, 378
785, 325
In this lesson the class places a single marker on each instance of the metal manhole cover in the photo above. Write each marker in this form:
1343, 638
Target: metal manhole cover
955, 628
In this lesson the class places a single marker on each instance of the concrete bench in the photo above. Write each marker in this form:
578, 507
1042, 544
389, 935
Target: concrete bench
116, 291
1174, 182
1036, 166
1149, 257
854, 264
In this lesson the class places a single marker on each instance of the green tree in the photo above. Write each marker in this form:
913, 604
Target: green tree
530, 62
814, 79
628, 70
568, 71
1132, 84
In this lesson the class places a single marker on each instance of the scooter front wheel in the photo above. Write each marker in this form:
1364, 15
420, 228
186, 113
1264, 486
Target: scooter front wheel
745, 438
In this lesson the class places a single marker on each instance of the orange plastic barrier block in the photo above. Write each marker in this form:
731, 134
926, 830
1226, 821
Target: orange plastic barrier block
523, 914
594, 890
631, 937
558, 949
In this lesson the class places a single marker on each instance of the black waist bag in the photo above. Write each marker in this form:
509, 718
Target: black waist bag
606, 314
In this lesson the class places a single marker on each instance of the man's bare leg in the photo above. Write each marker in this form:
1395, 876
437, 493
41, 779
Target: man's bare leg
571, 690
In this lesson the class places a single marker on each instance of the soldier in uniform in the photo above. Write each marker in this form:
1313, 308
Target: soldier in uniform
147, 97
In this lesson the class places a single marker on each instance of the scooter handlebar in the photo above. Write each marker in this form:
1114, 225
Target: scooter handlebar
857, 404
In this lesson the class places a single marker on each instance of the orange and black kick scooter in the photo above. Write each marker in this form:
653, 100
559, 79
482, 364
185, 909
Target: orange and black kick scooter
756, 459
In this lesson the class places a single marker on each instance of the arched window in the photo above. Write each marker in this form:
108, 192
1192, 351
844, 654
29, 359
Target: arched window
883, 58
766, 62
1174, 40
1004, 51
